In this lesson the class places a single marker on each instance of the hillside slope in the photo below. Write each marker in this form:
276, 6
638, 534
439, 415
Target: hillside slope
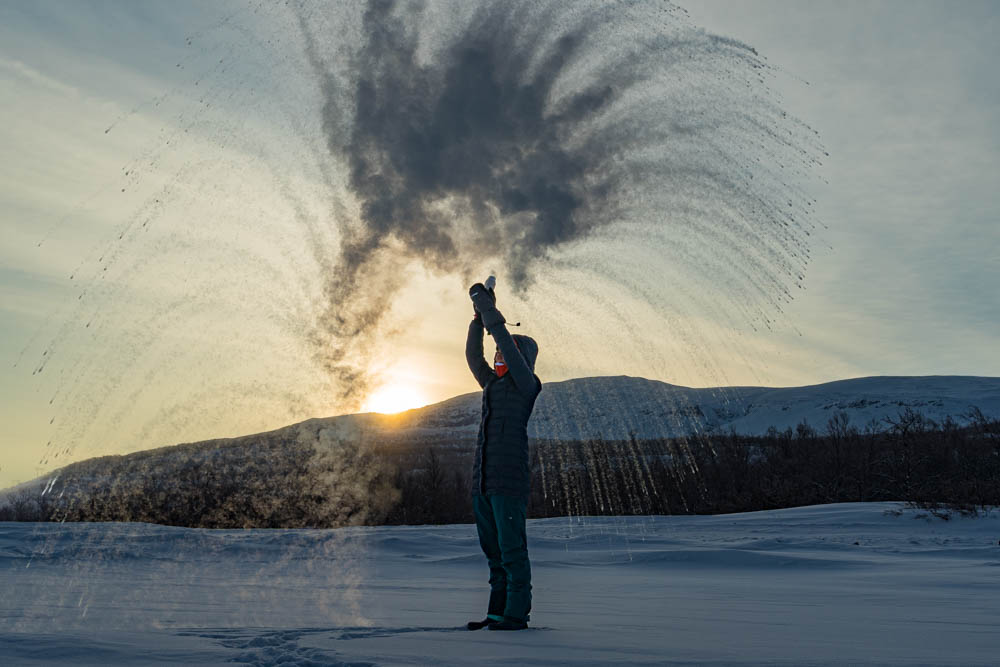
614, 406
579, 410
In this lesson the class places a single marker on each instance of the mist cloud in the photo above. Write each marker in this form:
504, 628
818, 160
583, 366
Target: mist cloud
498, 135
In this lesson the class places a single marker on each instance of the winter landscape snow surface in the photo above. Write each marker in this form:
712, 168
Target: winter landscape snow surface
832, 584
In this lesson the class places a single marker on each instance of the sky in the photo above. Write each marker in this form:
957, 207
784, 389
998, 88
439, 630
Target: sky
166, 201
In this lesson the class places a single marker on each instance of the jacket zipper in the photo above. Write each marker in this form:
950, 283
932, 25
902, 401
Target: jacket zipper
482, 454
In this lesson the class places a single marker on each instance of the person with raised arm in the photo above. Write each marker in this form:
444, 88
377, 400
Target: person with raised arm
501, 472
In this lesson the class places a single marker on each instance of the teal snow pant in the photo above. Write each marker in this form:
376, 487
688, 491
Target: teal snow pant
500, 522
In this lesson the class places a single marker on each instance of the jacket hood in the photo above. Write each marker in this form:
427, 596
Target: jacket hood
528, 348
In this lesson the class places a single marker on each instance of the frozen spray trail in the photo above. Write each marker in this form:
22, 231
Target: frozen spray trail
586, 143
307, 155
311, 156
833, 584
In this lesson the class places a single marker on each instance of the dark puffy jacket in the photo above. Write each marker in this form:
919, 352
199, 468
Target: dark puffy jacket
501, 465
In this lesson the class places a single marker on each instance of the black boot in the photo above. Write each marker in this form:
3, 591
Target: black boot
509, 623
479, 625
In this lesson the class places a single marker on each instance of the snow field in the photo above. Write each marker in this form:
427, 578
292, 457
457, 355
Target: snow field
831, 584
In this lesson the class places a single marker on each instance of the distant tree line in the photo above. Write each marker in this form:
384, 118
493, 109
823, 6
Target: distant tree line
432, 490
286, 481
908, 457
275, 480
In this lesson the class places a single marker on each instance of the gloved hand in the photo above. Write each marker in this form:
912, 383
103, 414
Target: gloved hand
484, 303
489, 292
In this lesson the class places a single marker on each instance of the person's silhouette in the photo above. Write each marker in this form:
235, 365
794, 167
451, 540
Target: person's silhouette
501, 473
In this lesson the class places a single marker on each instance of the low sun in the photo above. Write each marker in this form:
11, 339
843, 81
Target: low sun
392, 398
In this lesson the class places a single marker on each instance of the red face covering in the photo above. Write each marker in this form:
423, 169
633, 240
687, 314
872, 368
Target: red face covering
499, 364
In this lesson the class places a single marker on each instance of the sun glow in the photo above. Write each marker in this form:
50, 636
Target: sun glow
393, 398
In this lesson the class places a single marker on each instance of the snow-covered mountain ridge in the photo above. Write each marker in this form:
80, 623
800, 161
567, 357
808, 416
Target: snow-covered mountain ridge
614, 406
611, 408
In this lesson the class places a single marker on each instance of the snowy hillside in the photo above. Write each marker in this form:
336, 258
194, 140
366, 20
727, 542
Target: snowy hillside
575, 410
832, 584
611, 407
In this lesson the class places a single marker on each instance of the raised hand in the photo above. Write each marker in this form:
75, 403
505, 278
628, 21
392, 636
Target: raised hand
484, 304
